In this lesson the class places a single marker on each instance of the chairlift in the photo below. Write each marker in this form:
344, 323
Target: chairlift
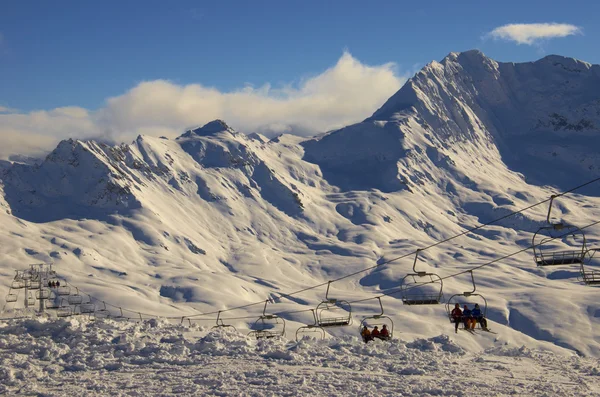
64, 310
589, 277
52, 303
421, 288
548, 254
87, 307
221, 324
11, 297
378, 320
333, 312
469, 298
76, 298
17, 284
35, 284
102, 313
63, 290
43, 293
310, 330
268, 326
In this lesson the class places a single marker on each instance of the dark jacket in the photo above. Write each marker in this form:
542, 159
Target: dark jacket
456, 313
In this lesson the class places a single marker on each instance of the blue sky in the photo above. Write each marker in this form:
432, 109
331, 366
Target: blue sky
114, 69
81, 52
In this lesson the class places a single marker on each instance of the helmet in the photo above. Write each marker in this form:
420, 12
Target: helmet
375, 327
457, 305
477, 305
384, 326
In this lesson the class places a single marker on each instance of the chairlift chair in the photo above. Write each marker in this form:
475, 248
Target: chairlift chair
76, 298
65, 310
378, 320
11, 297
421, 288
30, 300
63, 290
103, 312
52, 303
87, 307
468, 298
17, 284
221, 324
312, 330
268, 326
546, 254
589, 277
35, 284
333, 312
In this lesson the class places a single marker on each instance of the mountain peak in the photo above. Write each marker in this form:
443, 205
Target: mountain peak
212, 128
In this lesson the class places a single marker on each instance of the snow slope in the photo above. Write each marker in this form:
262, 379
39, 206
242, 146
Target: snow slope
79, 357
217, 219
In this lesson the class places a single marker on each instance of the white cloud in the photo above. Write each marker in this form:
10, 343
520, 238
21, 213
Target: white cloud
346, 93
530, 33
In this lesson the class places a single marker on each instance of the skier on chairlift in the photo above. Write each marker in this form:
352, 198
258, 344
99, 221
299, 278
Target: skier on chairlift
384, 334
366, 334
456, 316
478, 316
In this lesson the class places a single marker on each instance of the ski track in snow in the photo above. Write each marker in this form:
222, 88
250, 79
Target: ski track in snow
107, 357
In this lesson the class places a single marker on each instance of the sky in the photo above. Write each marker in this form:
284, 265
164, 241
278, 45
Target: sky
114, 69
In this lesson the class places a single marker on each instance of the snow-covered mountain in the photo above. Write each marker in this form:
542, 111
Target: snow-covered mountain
217, 218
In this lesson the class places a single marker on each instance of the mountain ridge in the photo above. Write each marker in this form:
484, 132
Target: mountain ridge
215, 217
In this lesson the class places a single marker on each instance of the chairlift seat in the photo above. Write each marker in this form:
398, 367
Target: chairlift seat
334, 322
559, 258
17, 284
87, 308
35, 285
51, 305
264, 334
75, 299
64, 311
590, 277
10, 298
63, 290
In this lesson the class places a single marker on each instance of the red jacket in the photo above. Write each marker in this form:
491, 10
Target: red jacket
375, 332
456, 313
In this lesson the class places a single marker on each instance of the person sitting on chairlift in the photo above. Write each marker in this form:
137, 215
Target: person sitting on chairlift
456, 316
468, 318
366, 334
57, 284
375, 333
478, 317
50, 284
384, 334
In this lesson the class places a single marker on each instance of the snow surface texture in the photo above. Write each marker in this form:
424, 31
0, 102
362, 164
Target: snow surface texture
79, 357
217, 219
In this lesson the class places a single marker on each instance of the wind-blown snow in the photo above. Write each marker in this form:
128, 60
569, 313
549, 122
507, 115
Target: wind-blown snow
217, 219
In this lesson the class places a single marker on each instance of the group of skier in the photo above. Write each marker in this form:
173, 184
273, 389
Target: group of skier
468, 317
53, 284
369, 335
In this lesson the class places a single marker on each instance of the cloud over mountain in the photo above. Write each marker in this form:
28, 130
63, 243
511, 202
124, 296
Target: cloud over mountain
342, 94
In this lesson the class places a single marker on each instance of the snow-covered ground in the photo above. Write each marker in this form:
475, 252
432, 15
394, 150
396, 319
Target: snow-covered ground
217, 219
105, 357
